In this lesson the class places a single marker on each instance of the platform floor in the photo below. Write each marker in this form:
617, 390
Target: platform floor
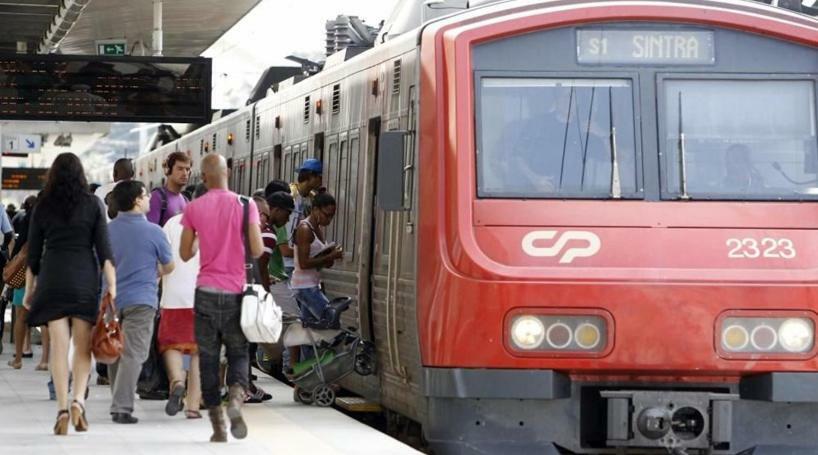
279, 426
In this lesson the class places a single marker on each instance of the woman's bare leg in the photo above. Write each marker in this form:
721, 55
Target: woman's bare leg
194, 385
82, 357
46, 347
20, 329
60, 338
175, 366
27, 342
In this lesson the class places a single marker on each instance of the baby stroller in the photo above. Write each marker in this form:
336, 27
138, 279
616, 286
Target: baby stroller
337, 353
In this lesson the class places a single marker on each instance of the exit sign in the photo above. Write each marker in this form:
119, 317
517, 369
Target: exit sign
112, 47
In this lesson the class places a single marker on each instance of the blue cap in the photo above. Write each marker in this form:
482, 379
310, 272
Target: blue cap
311, 165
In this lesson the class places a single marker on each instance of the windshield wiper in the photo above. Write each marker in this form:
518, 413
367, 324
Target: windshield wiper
616, 185
565, 136
682, 164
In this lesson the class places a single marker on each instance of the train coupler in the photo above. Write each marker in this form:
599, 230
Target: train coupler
675, 421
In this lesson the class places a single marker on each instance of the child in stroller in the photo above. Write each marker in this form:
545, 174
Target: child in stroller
336, 353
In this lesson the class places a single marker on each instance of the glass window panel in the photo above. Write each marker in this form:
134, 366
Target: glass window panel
352, 197
342, 194
554, 138
742, 139
330, 172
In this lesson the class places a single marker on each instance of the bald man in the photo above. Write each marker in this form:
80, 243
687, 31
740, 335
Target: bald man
215, 222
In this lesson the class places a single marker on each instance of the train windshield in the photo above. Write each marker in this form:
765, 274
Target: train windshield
740, 139
557, 138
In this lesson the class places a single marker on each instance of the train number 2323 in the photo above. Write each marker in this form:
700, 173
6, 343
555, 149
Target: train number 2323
750, 248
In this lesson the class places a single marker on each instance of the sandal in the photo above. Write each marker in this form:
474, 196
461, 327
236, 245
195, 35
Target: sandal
16, 364
78, 416
61, 426
192, 414
41, 367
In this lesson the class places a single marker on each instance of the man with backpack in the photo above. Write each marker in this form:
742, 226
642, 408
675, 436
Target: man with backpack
165, 203
168, 201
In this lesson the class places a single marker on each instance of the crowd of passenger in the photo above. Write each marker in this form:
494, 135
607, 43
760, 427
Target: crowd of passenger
173, 260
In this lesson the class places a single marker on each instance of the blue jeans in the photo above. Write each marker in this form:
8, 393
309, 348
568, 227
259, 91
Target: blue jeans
218, 321
312, 302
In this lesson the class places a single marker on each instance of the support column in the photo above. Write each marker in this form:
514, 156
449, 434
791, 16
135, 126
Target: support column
157, 28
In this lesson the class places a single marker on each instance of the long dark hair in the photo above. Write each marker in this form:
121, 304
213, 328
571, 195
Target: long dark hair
65, 186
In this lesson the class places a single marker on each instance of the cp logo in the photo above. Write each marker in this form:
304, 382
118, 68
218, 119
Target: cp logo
567, 255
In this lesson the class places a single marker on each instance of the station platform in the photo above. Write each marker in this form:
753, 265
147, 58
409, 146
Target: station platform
278, 426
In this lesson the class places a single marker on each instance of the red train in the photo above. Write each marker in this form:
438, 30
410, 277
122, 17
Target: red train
592, 228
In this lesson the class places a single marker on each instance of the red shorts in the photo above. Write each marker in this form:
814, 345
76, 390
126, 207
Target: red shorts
176, 331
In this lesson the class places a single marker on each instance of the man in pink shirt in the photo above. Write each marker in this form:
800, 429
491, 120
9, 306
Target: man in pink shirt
214, 225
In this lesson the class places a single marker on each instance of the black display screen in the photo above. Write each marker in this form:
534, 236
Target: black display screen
111, 89
24, 178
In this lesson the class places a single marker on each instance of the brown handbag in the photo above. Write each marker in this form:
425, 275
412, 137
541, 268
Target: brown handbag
107, 339
14, 272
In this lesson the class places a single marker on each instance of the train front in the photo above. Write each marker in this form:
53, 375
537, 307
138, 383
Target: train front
618, 229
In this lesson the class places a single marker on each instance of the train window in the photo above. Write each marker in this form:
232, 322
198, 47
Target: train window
214, 142
342, 193
330, 177
258, 127
288, 165
740, 139
352, 197
277, 161
247, 131
556, 138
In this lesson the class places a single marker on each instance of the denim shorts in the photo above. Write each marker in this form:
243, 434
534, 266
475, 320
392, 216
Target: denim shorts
311, 302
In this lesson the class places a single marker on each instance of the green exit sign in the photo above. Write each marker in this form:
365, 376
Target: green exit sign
113, 48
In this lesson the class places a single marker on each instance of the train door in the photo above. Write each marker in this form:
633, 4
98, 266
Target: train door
369, 267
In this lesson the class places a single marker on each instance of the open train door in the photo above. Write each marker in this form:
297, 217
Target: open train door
367, 264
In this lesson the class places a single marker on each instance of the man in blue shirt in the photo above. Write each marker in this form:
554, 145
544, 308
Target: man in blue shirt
141, 253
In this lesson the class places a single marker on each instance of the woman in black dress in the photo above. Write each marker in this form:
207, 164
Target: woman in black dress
67, 245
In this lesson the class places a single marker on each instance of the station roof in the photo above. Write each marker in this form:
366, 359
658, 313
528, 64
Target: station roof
189, 26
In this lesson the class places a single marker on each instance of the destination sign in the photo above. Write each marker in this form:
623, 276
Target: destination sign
645, 47
24, 178
108, 89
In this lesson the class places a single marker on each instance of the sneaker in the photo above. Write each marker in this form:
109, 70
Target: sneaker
123, 417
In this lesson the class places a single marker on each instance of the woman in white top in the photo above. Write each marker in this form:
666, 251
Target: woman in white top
176, 336
311, 255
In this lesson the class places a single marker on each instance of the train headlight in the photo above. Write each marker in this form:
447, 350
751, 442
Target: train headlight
795, 335
587, 335
558, 332
735, 338
527, 332
770, 335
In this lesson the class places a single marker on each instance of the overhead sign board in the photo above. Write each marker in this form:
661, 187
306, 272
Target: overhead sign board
106, 89
645, 47
23, 178
112, 47
21, 143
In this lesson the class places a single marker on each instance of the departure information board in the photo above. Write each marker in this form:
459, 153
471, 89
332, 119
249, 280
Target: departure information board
645, 47
24, 178
109, 89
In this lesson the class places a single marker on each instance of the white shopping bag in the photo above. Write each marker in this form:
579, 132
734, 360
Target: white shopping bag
260, 316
